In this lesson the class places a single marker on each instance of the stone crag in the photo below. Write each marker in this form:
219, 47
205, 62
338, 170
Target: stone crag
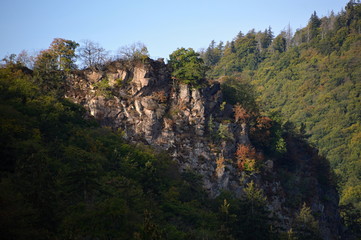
148, 106
143, 101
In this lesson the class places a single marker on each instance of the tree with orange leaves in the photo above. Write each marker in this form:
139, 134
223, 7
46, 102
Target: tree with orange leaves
240, 113
246, 157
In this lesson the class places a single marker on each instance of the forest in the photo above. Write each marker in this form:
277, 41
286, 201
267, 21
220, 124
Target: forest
64, 176
310, 81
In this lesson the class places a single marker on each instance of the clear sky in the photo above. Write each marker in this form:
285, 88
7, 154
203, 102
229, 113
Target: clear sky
162, 25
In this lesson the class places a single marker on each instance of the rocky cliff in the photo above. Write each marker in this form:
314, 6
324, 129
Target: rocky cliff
147, 105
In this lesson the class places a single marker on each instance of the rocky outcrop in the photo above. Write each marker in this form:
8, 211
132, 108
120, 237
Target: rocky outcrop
192, 124
148, 106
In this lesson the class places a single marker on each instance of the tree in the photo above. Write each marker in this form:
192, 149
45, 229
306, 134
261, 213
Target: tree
246, 158
92, 55
264, 39
135, 51
59, 56
9, 59
227, 219
252, 215
187, 66
288, 37
81, 173
351, 12
64, 53
25, 59
240, 113
150, 230
280, 43
305, 225
255, 196
313, 25
52, 65
213, 53
224, 133
47, 74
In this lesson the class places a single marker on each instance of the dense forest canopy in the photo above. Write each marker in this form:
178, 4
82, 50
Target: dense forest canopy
311, 80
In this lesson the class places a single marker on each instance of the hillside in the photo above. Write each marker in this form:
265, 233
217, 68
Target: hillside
207, 175
255, 139
310, 81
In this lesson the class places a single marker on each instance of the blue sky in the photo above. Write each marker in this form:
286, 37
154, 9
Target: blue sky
162, 25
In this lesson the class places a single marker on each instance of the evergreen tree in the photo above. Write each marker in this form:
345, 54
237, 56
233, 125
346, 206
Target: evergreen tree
313, 27
280, 43
305, 226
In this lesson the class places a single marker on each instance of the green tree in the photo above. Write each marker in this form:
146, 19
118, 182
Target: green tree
279, 43
305, 225
226, 219
264, 39
52, 65
213, 53
252, 220
59, 56
313, 26
187, 66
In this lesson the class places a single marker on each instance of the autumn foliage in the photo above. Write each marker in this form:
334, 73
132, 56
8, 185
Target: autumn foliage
240, 114
247, 158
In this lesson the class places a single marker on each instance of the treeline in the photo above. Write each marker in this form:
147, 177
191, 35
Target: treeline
86, 54
310, 80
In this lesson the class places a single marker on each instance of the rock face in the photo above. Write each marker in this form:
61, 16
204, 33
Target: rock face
148, 106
